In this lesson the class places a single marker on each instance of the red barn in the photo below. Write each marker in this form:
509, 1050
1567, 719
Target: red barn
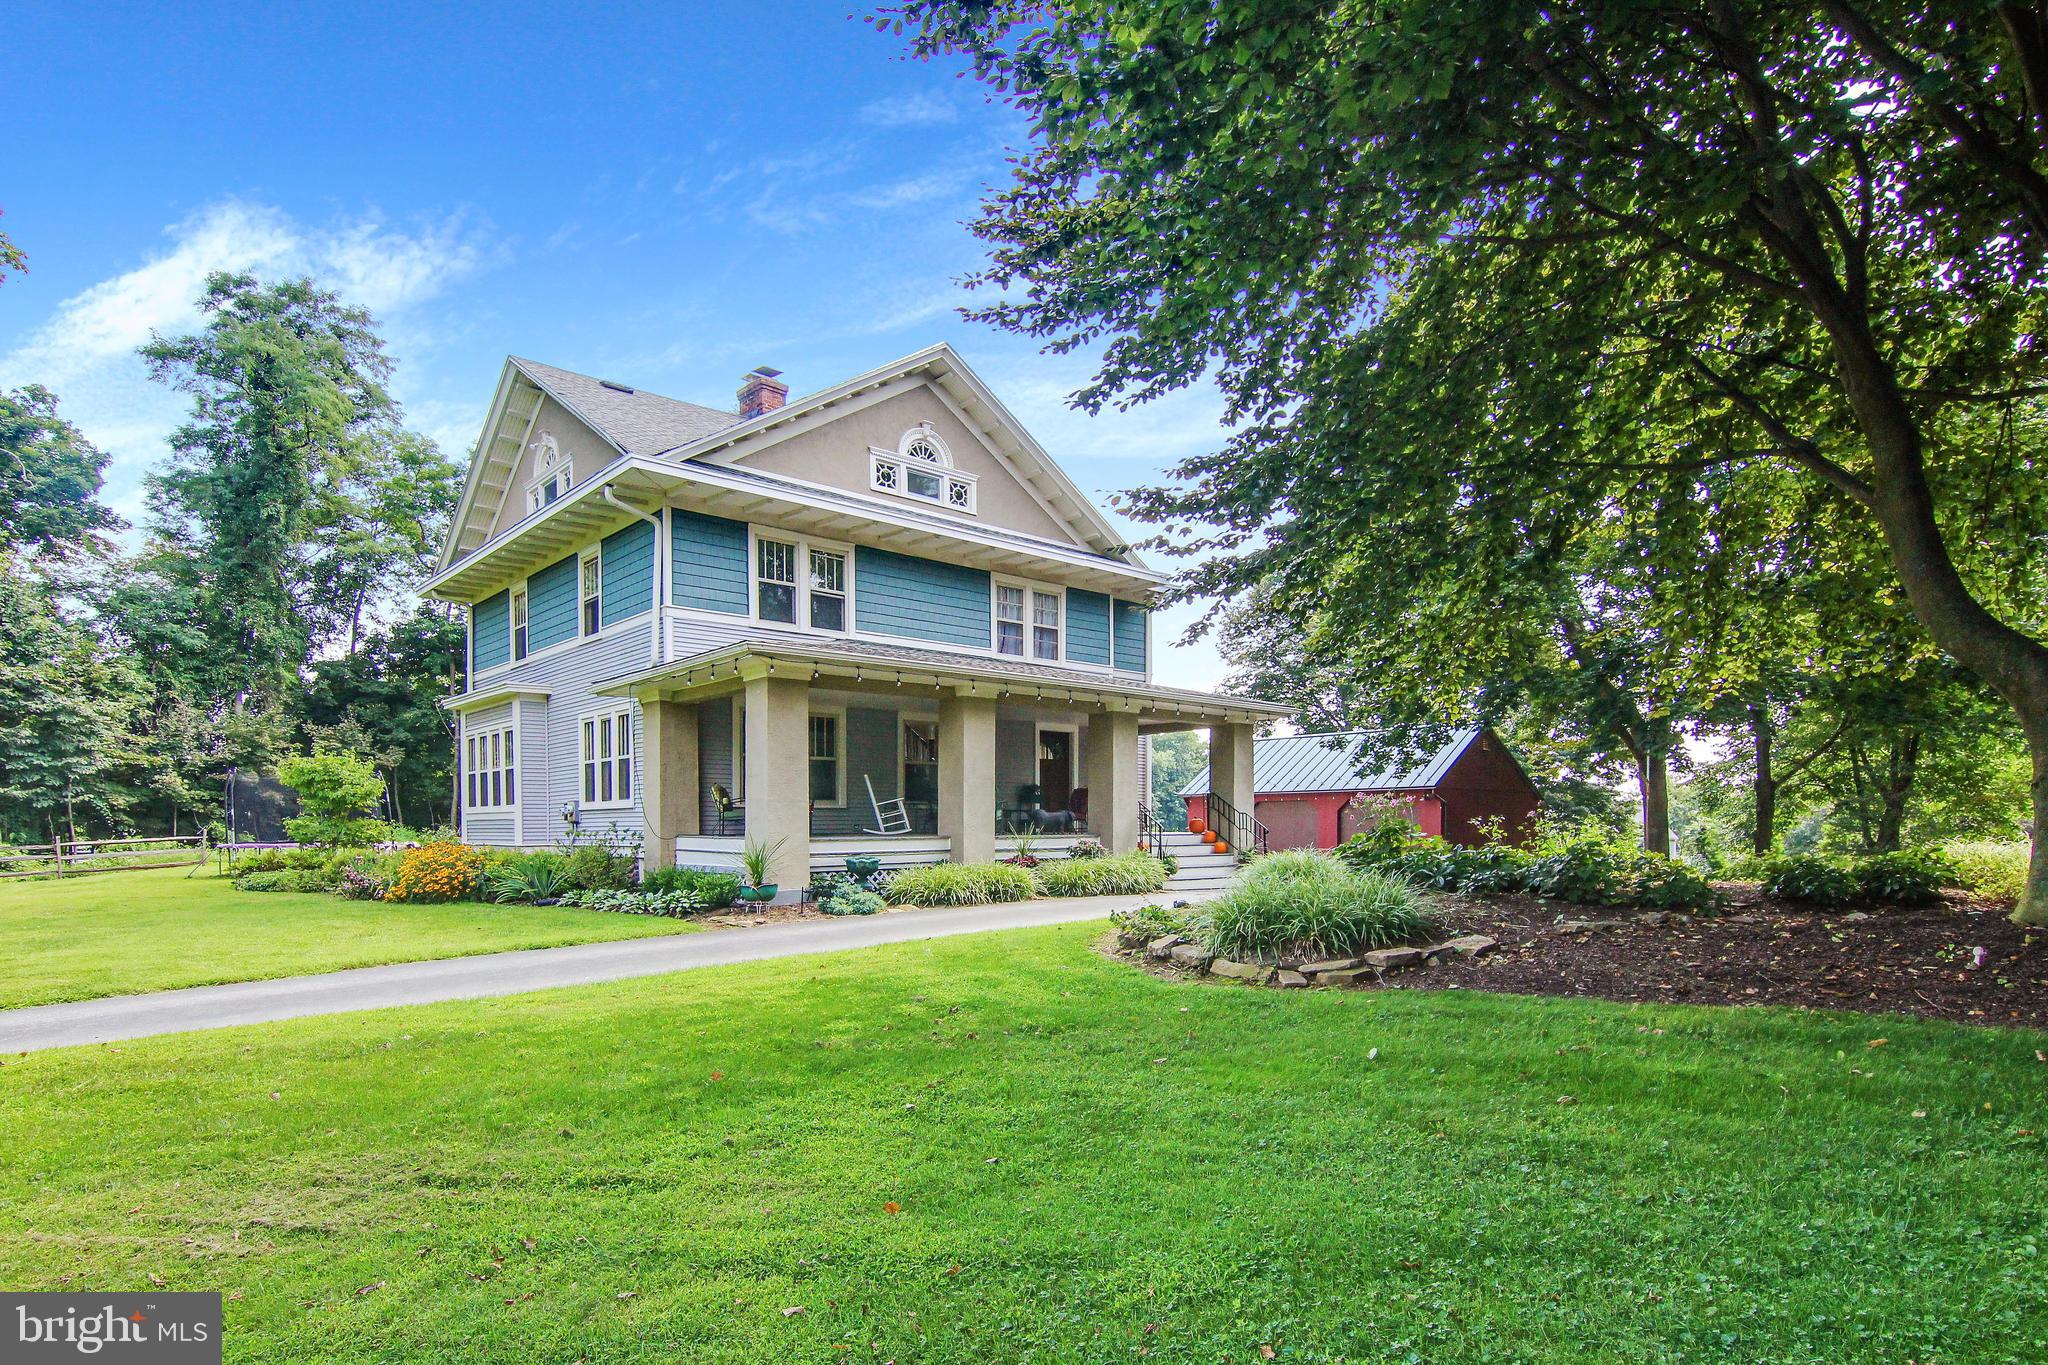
1306, 789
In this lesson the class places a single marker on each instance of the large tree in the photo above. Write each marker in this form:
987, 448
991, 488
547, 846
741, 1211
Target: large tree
49, 480
1509, 248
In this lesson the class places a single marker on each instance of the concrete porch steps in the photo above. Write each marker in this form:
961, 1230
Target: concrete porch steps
1200, 868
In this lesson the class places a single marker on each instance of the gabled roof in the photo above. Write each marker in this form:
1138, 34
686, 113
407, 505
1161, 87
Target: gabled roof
1336, 763
638, 423
634, 420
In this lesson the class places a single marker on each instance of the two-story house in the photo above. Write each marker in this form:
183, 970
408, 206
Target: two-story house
776, 622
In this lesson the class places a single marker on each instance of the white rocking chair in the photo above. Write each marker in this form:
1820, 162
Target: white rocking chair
892, 816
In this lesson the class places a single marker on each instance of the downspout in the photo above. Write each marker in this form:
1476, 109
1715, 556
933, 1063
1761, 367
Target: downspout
660, 578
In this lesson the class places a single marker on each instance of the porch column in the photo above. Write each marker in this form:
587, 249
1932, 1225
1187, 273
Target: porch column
1111, 771
778, 776
668, 778
967, 776
1230, 765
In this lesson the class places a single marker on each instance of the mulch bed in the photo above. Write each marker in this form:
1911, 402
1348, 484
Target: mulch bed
1901, 961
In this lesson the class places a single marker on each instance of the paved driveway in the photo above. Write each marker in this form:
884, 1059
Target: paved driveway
464, 978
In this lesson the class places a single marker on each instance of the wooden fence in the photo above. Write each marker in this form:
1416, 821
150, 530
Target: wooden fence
71, 857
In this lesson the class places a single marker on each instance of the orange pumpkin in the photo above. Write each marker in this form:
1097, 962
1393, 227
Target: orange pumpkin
1195, 825
1222, 847
1210, 836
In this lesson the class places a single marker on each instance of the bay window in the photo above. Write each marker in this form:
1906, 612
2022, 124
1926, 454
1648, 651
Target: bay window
490, 769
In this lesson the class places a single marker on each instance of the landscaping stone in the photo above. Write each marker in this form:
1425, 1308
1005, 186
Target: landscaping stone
1470, 945
1333, 964
1288, 977
1159, 947
1345, 976
1583, 926
1389, 959
1857, 917
1193, 956
1257, 972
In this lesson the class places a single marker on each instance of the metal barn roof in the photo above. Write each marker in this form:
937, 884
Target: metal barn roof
1335, 763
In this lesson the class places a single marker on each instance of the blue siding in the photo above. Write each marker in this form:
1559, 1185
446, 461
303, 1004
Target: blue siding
627, 573
869, 746
491, 631
1088, 627
551, 605
920, 598
1130, 637
710, 562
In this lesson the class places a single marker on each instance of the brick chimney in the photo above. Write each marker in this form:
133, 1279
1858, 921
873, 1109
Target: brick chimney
762, 391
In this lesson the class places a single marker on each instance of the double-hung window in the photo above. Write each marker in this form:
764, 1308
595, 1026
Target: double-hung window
519, 624
591, 575
1009, 619
775, 580
490, 769
608, 758
827, 737
797, 582
828, 590
1045, 625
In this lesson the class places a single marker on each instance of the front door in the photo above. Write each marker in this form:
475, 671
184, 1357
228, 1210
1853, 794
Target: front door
1056, 768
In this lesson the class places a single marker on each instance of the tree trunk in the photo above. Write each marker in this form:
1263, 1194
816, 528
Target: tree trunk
1764, 834
1902, 762
1653, 782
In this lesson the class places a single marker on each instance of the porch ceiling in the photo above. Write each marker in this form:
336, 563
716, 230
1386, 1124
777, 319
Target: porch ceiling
866, 664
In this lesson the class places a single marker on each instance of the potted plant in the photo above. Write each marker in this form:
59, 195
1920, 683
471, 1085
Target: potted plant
755, 857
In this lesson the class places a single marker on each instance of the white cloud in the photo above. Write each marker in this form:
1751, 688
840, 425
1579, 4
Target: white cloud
85, 352
918, 109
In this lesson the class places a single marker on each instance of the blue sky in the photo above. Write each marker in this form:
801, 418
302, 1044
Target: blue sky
662, 195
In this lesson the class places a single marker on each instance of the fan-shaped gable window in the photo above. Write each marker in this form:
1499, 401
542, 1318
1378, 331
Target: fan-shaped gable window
921, 468
553, 472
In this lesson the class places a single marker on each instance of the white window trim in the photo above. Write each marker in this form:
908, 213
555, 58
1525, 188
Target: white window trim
621, 711
519, 618
1030, 586
593, 555
804, 545
563, 470
905, 718
899, 460
838, 716
477, 767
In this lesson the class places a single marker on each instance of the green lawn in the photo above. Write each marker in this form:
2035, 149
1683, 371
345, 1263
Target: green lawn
119, 932
1085, 1164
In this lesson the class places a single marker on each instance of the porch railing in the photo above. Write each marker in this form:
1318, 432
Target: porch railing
1240, 829
1149, 831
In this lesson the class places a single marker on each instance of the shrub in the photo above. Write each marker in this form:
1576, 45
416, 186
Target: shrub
595, 867
249, 864
851, 900
958, 884
667, 904
1142, 924
437, 872
1086, 848
366, 878
1996, 872
1909, 876
528, 877
1306, 903
715, 889
1122, 874
1587, 865
1810, 879
337, 831
286, 881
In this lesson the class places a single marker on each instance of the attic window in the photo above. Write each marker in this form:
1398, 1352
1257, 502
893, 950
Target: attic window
920, 467
553, 473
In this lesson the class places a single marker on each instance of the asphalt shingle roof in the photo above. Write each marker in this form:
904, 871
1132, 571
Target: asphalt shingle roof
641, 423
1335, 763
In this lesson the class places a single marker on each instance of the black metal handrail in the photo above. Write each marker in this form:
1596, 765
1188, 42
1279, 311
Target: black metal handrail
1148, 830
1241, 830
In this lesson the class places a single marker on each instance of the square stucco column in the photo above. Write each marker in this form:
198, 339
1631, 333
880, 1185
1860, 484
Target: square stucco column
1112, 776
1230, 765
668, 777
967, 776
778, 777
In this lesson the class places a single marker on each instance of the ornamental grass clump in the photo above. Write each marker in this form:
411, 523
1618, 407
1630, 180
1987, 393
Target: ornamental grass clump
958, 884
1120, 874
1307, 904
438, 872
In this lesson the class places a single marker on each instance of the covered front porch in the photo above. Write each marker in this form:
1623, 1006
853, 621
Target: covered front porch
826, 749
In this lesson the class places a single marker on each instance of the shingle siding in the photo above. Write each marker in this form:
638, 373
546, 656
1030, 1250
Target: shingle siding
1130, 637
627, 573
551, 605
1087, 627
491, 631
920, 599
710, 562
